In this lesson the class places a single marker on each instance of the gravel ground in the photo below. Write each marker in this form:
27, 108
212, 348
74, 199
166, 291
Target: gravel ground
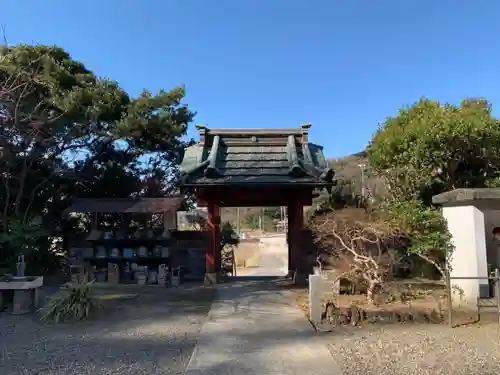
417, 349
153, 334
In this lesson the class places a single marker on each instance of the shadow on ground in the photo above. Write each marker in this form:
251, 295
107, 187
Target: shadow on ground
154, 333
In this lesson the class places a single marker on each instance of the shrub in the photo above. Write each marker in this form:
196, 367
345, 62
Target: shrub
69, 304
360, 244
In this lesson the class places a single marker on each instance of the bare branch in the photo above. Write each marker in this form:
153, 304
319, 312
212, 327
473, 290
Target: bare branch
360, 244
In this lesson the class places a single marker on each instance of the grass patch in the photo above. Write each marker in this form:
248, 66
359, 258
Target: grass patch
69, 304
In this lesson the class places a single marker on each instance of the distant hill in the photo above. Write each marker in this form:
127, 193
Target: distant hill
348, 169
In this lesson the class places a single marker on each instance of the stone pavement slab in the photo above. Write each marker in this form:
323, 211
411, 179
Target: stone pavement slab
254, 328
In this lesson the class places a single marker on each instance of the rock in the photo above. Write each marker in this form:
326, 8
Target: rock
342, 316
436, 317
355, 315
421, 316
396, 317
331, 313
322, 327
373, 316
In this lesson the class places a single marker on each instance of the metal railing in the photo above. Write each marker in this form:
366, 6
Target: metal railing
494, 276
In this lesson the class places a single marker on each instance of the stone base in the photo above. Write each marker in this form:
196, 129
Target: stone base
22, 302
484, 291
211, 278
36, 298
300, 278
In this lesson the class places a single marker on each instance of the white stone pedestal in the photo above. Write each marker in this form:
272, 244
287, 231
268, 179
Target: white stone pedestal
315, 297
466, 226
211, 279
26, 293
22, 302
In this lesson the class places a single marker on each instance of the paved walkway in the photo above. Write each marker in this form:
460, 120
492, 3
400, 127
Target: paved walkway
253, 329
273, 258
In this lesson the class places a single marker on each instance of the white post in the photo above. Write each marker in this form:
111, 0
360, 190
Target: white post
466, 226
315, 297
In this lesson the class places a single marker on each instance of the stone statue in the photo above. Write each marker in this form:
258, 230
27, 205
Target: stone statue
21, 266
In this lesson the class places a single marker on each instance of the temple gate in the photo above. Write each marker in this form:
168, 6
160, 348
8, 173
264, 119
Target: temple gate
259, 168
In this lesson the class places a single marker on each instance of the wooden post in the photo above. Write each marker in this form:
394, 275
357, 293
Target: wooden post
295, 225
449, 296
217, 239
299, 246
212, 254
497, 291
289, 239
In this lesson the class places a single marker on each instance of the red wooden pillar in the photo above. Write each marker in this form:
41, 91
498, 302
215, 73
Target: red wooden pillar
295, 227
213, 255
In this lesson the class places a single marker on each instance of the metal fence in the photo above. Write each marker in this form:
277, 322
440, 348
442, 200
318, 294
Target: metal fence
494, 276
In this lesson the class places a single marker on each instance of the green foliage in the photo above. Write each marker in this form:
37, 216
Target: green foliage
22, 235
427, 149
272, 213
55, 93
229, 240
65, 132
252, 221
73, 303
228, 235
426, 227
20, 238
155, 122
442, 147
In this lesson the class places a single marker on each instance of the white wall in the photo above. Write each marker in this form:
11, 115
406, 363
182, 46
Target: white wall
467, 227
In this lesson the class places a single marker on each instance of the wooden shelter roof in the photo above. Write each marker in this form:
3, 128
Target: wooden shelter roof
255, 157
126, 205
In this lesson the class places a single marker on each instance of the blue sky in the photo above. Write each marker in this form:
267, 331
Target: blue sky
342, 65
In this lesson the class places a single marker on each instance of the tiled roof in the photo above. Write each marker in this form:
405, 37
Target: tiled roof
254, 156
126, 205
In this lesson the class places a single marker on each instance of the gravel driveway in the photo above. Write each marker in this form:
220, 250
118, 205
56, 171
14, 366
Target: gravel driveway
417, 349
153, 334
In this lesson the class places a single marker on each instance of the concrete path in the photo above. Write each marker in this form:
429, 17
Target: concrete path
254, 328
273, 258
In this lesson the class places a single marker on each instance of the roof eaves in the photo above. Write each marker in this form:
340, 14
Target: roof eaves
211, 170
192, 161
295, 169
252, 131
124, 205
326, 174
194, 170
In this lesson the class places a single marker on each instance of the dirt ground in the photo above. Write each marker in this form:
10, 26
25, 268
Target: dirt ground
471, 348
154, 333
422, 300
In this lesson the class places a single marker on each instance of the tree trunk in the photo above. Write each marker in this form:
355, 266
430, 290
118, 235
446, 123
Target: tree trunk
370, 292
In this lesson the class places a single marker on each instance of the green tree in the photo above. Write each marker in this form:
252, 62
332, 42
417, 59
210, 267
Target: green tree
65, 132
52, 109
429, 148
228, 241
252, 221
